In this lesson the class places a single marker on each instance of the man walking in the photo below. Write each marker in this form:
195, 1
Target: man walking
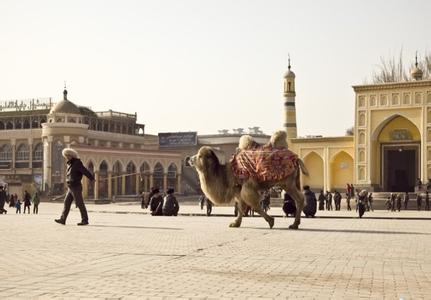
36, 201
406, 200
75, 170
3, 198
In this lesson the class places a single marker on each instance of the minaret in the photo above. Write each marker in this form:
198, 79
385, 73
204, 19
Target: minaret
289, 103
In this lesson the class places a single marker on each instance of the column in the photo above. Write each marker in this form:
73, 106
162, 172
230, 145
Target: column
151, 180
47, 146
84, 187
30, 155
165, 182
96, 185
144, 186
178, 189
109, 184
138, 183
13, 154
123, 184
116, 185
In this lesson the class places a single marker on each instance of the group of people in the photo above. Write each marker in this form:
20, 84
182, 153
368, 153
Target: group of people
395, 201
13, 201
325, 200
161, 205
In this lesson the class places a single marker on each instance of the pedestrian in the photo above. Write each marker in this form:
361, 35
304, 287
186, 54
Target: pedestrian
399, 197
406, 200
328, 200
419, 183
156, 203
321, 200
74, 173
419, 201
388, 203
11, 200
18, 206
348, 189
348, 201
361, 202
3, 198
427, 201
266, 201
393, 200
370, 201
27, 201
289, 206
337, 200
310, 204
36, 201
170, 204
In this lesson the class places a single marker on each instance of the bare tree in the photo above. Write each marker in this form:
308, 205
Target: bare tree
349, 131
393, 70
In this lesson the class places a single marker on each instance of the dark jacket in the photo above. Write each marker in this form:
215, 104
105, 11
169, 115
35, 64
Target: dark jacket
3, 198
156, 204
27, 199
310, 203
75, 170
170, 205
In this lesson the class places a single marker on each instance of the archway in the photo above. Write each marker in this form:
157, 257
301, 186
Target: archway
314, 164
38, 156
103, 180
90, 187
341, 168
130, 179
116, 178
395, 154
158, 176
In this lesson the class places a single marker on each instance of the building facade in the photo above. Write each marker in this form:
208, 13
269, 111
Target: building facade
391, 145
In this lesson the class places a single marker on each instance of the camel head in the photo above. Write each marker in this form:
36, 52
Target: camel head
205, 161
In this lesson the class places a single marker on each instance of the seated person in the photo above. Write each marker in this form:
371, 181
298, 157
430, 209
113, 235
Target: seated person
156, 203
170, 204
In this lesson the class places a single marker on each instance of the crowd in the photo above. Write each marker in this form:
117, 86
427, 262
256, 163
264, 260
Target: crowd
159, 204
14, 202
397, 201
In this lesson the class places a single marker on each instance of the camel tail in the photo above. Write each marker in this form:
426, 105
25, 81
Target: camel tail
303, 167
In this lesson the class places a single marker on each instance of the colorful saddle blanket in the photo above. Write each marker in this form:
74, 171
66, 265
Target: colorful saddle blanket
264, 163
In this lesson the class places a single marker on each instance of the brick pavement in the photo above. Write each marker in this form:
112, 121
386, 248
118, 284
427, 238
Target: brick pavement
132, 255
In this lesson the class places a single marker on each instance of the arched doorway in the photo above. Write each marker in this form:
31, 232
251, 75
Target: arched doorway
116, 178
130, 179
341, 168
90, 188
396, 154
314, 164
172, 176
103, 180
158, 176
145, 177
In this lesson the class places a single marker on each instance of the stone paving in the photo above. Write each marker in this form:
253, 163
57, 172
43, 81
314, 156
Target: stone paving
127, 254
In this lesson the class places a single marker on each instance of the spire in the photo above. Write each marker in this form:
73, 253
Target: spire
416, 59
416, 72
65, 92
288, 66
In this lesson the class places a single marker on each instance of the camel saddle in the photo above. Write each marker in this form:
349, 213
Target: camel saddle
263, 163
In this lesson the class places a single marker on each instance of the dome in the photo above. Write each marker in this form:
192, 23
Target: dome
289, 73
65, 106
416, 73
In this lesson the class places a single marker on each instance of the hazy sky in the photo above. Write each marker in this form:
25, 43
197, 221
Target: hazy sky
206, 65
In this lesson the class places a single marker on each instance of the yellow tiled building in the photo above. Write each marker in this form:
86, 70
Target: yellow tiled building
391, 145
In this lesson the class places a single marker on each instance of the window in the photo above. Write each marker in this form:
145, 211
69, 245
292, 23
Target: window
38, 152
22, 152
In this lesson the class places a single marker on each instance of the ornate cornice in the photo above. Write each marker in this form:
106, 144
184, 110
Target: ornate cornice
391, 85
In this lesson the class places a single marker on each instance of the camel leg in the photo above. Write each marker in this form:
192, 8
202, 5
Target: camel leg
251, 196
241, 209
299, 201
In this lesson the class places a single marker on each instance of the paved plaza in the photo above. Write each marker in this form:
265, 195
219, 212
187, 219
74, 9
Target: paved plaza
127, 254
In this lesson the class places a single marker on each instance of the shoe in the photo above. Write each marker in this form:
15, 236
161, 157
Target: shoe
83, 223
60, 221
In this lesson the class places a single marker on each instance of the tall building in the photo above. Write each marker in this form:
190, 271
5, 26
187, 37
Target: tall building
289, 103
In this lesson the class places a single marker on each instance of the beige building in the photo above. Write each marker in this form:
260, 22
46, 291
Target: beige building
391, 145
111, 144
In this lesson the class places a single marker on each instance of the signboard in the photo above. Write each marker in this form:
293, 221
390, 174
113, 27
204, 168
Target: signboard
178, 139
26, 105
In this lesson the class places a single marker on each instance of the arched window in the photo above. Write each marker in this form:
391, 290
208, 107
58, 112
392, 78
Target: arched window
131, 179
9, 125
22, 153
26, 124
5, 156
18, 124
38, 156
158, 176
34, 123
172, 176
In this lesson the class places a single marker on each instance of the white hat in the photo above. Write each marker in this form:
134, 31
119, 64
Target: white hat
69, 151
